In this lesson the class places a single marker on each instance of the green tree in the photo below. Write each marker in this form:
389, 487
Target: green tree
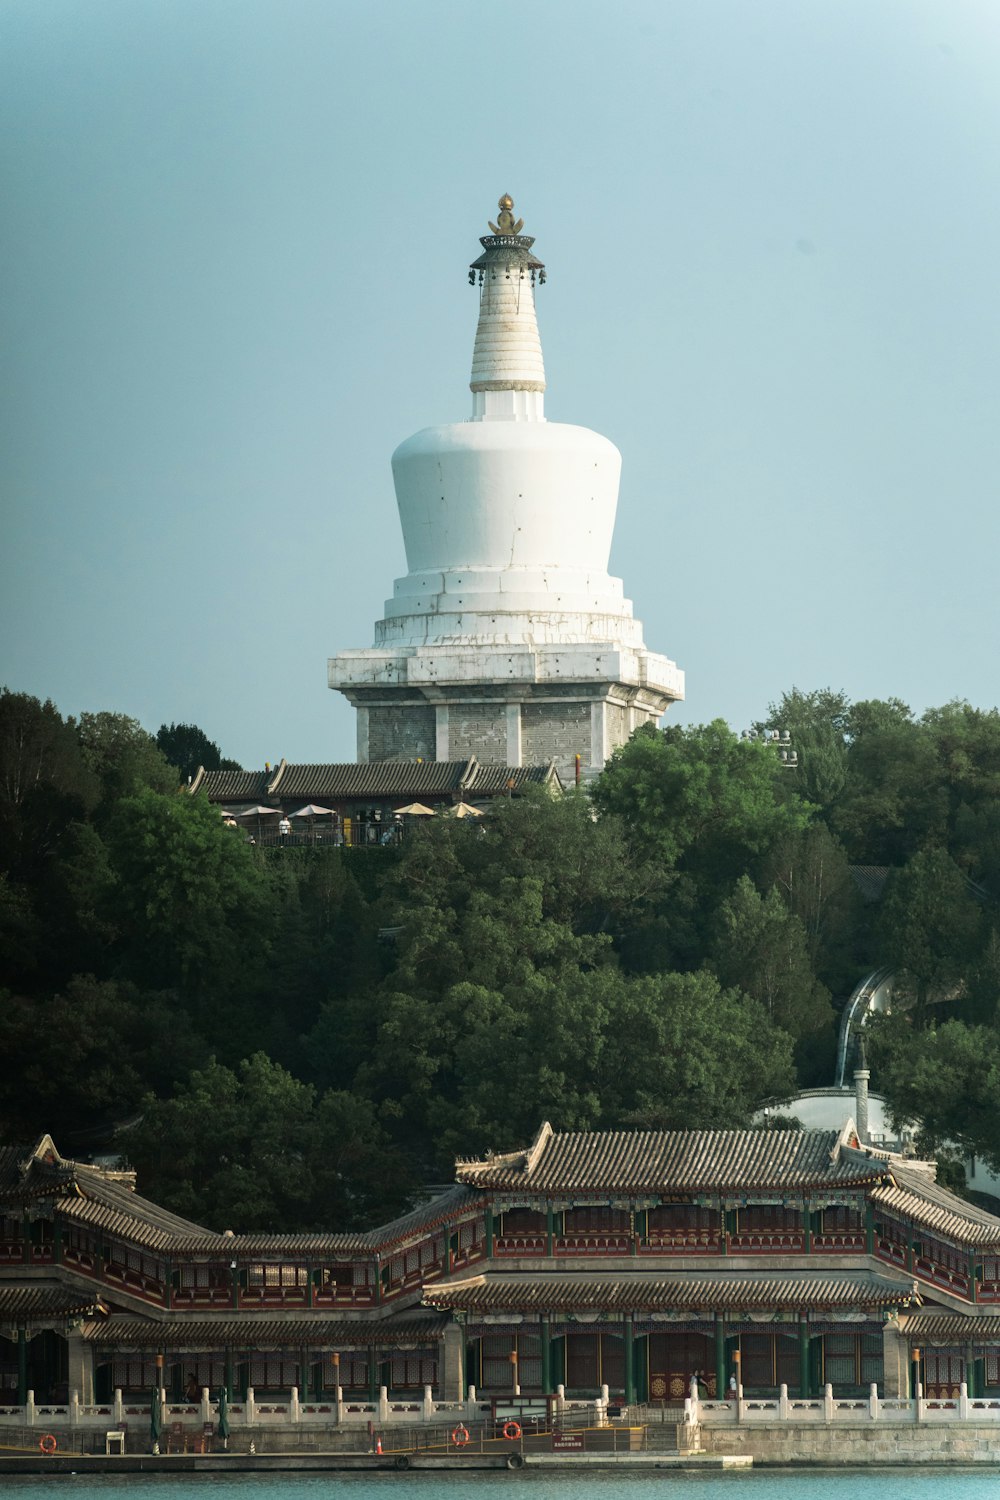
187, 747
192, 900
810, 870
123, 757
929, 927
44, 782
681, 1052
254, 1149
701, 795
83, 1058
946, 1077
762, 949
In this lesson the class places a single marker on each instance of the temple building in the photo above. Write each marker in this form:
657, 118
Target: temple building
626, 1259
507, 639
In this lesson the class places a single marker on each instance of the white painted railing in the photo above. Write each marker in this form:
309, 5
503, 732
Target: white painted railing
826, 1409
287, 1410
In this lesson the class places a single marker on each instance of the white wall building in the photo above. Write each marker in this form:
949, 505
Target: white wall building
507, 639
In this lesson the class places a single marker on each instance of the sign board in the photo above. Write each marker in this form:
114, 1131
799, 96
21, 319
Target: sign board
567, 1442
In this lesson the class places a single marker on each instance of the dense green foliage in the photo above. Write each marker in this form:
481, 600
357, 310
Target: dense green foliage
291, 1038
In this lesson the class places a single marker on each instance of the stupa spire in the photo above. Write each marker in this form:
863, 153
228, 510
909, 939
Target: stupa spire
508, 373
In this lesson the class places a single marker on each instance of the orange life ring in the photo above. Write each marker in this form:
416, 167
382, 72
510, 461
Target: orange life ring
512, 1430
460, 1436
47, 1443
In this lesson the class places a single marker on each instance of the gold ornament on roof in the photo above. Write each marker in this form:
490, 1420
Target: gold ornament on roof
505, 223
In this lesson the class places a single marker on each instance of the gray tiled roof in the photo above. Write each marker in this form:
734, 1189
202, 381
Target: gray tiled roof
678, 1160
383, 778
953, 1328
269, 1332
913, 1194
649, 1293
428, 1215
233, 786
37, 1301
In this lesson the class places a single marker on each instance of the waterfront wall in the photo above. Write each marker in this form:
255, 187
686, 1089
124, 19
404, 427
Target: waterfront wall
848, 1445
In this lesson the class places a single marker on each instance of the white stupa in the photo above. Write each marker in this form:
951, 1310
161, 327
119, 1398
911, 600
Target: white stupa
507, 639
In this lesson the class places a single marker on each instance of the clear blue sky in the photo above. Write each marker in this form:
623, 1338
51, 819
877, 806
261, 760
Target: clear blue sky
234, 248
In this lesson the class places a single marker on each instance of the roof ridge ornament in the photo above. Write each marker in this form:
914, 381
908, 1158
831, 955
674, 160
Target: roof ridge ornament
505, 219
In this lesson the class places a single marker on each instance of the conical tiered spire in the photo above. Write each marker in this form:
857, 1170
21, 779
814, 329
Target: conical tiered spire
508, 373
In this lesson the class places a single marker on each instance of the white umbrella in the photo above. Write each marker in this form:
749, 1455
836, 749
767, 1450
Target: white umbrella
313, 811
416, 810
259, 812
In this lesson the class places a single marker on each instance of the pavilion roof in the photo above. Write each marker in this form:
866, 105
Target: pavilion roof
35, 1300
652, 1292
950, 1328
624, 1161
348, 780
916, 1196
268, 1332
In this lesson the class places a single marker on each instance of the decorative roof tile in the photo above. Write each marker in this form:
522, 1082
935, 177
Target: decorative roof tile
637, 1293
33, 1301
945, 1329
619, 1162
249, 1332
915, 1195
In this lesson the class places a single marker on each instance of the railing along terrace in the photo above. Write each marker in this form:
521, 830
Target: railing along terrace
851, 1410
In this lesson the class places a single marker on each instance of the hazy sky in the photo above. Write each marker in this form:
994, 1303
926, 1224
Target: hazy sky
235, 243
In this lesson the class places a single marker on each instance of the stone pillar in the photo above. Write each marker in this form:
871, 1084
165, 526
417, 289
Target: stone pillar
451, 1364
442, 732
895, 1358
861, 1077
80, 1368
598, 734
513, 734
804, 1359
362, 726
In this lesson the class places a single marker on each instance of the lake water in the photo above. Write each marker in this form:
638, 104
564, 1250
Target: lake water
760, 1484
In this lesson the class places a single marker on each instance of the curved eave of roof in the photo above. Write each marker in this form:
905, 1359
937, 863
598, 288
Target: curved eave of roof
650, 1294
943, 1329
458, 1200
623, 1162
925, 1202
265, 1332
35, 1302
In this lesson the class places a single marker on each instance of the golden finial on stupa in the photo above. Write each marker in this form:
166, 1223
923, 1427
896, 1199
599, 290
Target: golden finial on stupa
505, 219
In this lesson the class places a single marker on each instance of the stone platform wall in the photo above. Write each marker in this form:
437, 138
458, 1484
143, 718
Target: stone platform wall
843, 1446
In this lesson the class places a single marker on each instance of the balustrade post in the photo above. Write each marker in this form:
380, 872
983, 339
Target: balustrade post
383, 1404
428, 1405
29, 1409
294, 1407
828, 1402
783, 1407
250, 1417
338, 1395
560, 1398
206, 1405
963, 1401
22, 1366
873, 1402
74, 1408
117, 1407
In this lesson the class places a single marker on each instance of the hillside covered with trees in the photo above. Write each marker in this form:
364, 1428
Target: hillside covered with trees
295, 1037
